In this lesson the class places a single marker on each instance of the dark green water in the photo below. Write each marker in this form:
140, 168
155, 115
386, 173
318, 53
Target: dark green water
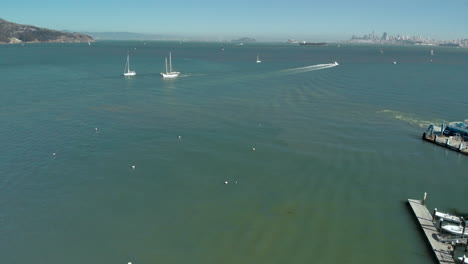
337, 152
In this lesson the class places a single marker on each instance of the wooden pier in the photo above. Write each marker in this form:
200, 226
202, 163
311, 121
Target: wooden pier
443, 252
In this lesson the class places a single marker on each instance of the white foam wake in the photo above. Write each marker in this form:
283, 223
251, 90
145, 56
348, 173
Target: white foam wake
411, 119
183, 75
310, 68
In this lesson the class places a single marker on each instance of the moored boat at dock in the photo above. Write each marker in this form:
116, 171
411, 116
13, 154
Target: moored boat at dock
455, 230
448, 217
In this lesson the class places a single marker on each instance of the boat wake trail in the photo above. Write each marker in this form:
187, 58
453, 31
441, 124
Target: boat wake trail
412, 120
310, 68
191, 75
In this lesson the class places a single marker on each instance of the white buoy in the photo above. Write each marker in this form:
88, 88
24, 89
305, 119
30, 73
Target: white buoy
226, 182
253, 149
133, 167
180, 137
129, 263
96, 129
53, 154
236, 182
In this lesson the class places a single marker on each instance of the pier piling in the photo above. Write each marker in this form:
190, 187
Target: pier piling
466, 247
463, 223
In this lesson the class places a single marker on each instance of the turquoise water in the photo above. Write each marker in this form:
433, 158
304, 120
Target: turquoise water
337, 152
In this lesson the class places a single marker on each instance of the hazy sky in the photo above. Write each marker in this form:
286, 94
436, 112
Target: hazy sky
263, 19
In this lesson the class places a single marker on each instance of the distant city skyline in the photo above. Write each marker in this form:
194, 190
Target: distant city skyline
264, 20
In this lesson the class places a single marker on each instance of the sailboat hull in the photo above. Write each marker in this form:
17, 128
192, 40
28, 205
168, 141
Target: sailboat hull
170, 74
131, 73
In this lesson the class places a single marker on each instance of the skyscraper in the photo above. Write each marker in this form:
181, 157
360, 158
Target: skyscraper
385, 36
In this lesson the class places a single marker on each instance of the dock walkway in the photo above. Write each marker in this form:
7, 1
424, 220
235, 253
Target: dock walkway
424, 217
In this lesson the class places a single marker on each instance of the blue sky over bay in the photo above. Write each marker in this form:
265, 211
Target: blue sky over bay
320, 20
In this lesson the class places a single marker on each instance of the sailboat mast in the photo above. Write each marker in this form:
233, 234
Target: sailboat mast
170, 62
165, 59
126, 65
128, 62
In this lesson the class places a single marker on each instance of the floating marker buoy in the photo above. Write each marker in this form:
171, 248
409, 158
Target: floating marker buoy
95, 128
129, 263
133, 167
226, 182
236, 182
53, 154
180, 137
253, 149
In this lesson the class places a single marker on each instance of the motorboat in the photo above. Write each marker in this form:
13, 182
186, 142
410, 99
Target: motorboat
454, 229
448, 217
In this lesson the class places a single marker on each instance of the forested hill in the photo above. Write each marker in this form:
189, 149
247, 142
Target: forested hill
17, 33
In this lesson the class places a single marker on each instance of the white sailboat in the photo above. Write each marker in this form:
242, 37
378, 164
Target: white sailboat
258, 59
169, 73
127, 71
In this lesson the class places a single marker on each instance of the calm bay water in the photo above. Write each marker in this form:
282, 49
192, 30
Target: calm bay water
337, 152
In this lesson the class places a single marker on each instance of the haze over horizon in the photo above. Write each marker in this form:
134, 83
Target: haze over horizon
264, 20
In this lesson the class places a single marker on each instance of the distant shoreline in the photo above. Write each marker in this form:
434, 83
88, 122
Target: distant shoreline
332, 44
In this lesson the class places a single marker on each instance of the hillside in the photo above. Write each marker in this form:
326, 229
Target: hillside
245, 39
17, 33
